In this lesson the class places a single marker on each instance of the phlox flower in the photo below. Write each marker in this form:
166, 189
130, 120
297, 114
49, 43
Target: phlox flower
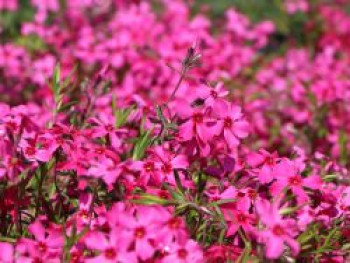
107, 169
6, 255
278, 231
46, 246
167, 162
38, 147
288, 175
143, 229
232, 124
106, 126
184, 253
11, 5
111, 248
200, 127
266, 162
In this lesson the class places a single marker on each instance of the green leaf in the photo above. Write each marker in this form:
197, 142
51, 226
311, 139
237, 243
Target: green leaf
141, 145
121, 116
67, 106
178, 181
147, 199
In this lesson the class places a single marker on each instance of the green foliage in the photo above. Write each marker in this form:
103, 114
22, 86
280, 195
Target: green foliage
10, 22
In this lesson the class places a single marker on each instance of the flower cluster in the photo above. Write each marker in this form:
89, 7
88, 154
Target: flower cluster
139, 131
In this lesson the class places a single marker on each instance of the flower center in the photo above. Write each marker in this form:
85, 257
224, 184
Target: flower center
14, 161
149, 167
198, 117
11, 125
252, 194
167, 168
174, 223
37, 260
84, 214
228, 122
182, 253
278, 230
30, 150
269, 161
109, 128
42, 247
100, 150
140, 232
241, 218
214, 94
295, 180
110, 253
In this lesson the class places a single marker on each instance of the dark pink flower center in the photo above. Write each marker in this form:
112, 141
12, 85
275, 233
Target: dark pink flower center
149, 167
227, 123
30, 150
42, 247
269, 161
110, 253
174, 223
214, 94
278, 230
59, 140
75, 257
37, 260
252, 194
11, 125
167, 168
140, 232
109, 128
84, 214
182, 253
241, 218
295, 180
240, 194
197, 117
100, 150
14, 161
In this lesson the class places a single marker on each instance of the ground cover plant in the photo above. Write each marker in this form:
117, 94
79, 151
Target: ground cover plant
174, 131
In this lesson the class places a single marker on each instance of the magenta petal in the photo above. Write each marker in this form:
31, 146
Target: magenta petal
144, 249
313, 182
294, 245
265, 174
274, 248
6, 254
96, 240
186, 131
232, 229
37, 230
241, 129
231, 140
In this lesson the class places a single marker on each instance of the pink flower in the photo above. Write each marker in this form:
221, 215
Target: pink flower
6, 255
167, 162
46, 5
48, 243
188, 252
267, 163
287, 174
232, 125
143, 229
106, 126
200, 127
112, 247
214, 97
38, 147
278, 231
11, 5
107, 169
